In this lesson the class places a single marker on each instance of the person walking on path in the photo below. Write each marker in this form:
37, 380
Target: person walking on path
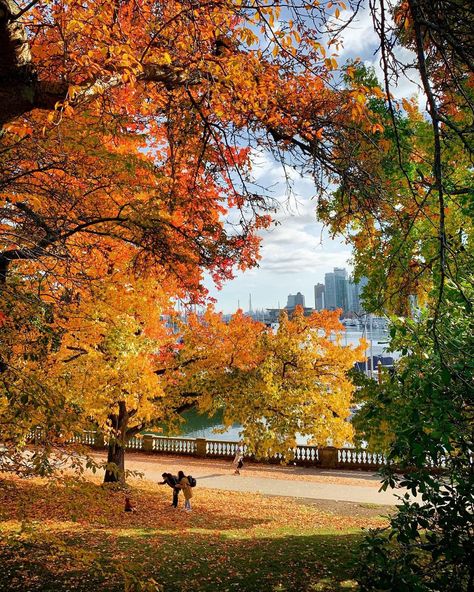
172, 481
238, 461
183, 483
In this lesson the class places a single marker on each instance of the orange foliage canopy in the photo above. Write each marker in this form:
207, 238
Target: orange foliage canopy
134, 121
130, 131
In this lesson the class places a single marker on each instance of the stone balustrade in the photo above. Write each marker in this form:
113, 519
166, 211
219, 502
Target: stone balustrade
303, 455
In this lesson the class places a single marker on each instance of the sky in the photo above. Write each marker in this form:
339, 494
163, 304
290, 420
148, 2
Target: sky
298, 251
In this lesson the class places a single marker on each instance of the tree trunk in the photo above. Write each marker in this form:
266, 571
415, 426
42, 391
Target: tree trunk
115, 473
21, 91
115, 457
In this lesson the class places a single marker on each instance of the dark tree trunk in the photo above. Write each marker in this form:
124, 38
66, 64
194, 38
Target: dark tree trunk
115, 473
21, 91
116, 458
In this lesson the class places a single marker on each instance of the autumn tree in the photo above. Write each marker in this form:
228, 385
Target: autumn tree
139, 131
106, 364
393, 222
160, 90
29, 333
131, 127
275, 384
122, 371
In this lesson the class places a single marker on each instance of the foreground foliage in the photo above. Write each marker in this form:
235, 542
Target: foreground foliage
77, 537
424, 411
414, 240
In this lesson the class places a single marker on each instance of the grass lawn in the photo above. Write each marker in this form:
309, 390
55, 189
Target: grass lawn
62, 537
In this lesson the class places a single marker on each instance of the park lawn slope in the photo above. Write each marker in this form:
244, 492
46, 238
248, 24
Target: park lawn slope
68, 536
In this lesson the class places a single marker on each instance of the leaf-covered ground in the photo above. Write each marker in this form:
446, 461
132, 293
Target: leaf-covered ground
61, 537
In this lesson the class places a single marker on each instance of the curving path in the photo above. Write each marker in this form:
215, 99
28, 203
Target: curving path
288, 481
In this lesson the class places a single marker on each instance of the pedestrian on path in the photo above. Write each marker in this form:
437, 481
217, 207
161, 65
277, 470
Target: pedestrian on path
172, 481
238, 461
183, 483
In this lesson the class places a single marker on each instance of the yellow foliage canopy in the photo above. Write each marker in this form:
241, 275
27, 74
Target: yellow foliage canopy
276, 384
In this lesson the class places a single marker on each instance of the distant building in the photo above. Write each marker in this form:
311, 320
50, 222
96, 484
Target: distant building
319, 303
340, 280
339, 291
299, 300
295, 300
353, 299
335, 289
272, 315
330, 291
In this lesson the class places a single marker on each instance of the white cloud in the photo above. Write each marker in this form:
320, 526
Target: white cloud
295, 255
359, 38
298, 246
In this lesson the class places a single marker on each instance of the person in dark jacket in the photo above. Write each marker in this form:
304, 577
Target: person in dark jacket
172, 481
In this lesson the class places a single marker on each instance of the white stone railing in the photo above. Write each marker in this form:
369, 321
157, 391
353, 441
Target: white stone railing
349, 458
170, 445
304, 455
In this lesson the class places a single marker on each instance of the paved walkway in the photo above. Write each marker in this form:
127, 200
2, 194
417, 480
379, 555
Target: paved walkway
287, 481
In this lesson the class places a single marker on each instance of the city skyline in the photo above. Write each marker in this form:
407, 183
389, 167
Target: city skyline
339, 291
295, 254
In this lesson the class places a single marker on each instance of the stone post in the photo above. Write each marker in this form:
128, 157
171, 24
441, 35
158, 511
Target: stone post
147, 443
201, 447
328, 457
99, 440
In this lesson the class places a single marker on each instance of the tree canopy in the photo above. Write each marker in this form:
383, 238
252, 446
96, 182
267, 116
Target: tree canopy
129, 136
416, 248
166, 100
276, 384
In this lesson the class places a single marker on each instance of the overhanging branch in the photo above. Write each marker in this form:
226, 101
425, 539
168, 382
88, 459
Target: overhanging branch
21, 91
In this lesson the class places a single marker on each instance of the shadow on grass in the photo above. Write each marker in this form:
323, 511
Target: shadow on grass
78, 538
311, 563
95, 506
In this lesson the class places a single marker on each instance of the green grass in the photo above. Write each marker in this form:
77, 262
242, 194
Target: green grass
231, 542
291, 563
